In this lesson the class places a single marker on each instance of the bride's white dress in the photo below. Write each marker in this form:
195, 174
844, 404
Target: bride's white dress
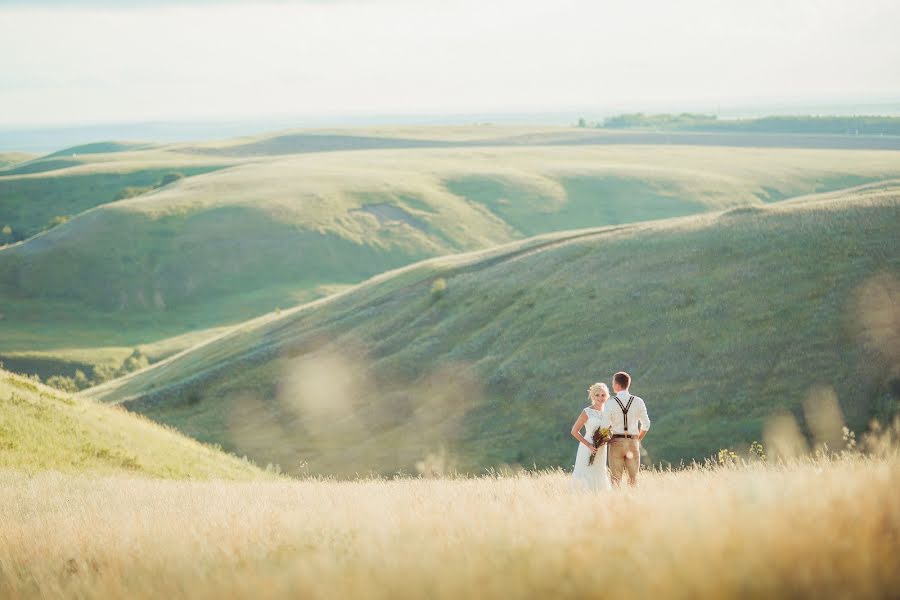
593, 477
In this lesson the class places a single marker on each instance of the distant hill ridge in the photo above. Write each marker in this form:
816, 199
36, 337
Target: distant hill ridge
101, 148
866, 125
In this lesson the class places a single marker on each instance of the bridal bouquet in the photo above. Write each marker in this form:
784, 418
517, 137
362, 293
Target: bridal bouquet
601, 437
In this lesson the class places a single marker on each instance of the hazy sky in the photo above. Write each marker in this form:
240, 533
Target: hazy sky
66, 61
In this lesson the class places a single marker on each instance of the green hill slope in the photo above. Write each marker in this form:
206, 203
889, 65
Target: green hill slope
44, 429
724, 320
338, 218
266, 230
35, 197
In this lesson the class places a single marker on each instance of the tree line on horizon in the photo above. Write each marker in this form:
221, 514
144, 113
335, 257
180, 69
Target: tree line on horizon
802, 124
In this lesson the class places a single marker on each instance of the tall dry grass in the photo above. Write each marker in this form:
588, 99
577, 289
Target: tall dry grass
812, 528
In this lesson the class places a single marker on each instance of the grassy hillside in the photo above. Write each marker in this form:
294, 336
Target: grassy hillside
281, 221
44, 429
44, 193
338, 218
724, 320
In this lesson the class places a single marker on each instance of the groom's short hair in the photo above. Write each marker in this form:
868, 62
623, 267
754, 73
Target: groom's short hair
623, 379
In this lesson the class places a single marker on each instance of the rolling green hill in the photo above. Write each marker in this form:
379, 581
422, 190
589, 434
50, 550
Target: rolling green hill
274, 221
29, 205
44, 429
482, 359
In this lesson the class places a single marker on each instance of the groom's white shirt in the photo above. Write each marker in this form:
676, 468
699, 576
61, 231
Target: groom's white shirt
638, 419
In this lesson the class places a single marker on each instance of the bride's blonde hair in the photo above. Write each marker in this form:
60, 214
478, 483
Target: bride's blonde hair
596, 388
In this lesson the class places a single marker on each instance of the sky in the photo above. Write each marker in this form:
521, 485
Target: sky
106, 61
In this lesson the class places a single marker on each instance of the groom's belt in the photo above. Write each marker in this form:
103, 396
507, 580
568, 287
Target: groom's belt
625, 435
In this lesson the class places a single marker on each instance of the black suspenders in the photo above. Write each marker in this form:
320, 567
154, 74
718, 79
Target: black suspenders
625, 408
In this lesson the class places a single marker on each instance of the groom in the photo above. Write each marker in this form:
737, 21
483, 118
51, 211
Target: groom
630, 424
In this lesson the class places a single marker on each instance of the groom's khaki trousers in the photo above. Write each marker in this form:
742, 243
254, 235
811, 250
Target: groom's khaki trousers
624, 455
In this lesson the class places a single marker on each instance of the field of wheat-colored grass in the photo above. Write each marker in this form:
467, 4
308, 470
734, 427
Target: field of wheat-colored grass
813, 529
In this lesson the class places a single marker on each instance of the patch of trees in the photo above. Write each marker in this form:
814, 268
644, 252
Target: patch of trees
131, 192
659, 121
124, 193
100, 374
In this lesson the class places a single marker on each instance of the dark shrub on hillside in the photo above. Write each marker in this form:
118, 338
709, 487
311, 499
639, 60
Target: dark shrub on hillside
170, 178
438, 288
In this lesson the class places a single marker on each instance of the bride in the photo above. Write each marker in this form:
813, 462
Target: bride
595, 476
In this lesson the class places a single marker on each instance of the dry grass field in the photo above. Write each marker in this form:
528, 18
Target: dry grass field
826, 528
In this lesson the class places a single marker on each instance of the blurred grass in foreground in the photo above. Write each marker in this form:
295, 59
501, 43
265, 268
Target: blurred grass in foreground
750, 529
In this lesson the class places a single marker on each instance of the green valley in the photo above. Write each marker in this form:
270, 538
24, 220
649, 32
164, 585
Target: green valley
724, 319
150, 247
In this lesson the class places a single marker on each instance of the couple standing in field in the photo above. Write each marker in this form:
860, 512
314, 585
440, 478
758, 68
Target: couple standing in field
612, 436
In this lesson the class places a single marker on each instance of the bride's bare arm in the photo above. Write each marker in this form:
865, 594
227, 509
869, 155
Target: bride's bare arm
576, 430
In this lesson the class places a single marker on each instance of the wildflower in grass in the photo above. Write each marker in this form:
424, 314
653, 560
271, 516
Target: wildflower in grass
849, 439
726, 458
757, 451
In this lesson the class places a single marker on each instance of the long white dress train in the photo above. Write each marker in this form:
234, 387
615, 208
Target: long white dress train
593, 477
